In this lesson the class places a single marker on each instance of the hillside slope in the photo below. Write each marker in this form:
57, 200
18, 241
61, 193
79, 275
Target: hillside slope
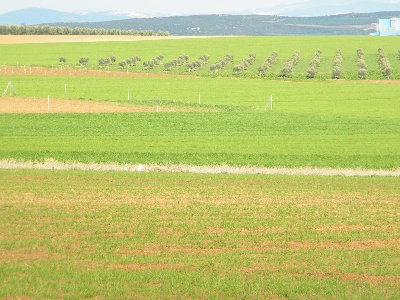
255, 25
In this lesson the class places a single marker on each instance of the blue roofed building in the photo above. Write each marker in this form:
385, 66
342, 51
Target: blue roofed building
388, 27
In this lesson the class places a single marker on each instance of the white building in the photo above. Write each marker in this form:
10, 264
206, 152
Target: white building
388, 27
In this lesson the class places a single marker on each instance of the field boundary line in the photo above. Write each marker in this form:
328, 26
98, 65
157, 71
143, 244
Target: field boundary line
51, 164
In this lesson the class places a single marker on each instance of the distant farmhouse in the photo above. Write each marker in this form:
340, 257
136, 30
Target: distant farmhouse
388, 27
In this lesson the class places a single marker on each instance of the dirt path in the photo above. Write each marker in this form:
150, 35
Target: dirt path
305, 171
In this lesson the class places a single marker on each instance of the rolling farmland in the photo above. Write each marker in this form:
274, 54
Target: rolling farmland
109, 234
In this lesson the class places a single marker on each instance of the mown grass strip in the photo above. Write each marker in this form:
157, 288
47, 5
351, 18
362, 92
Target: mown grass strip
242, 139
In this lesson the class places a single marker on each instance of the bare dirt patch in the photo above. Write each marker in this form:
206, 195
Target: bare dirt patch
20, 105
51, 164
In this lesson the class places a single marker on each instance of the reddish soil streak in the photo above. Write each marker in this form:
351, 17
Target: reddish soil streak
138, 267
25, 106
58, 71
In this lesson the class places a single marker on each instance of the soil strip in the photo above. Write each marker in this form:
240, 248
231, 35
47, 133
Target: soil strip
51, 164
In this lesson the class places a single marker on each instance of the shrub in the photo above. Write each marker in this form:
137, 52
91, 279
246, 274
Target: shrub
222, 63
244, 64
62, 60
384, 63
314, 64
263, 69
84, 61
362, 73
290, 64
337, 65
150, 64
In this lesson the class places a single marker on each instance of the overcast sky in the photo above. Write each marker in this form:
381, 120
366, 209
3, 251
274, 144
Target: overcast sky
174, 7
161, 6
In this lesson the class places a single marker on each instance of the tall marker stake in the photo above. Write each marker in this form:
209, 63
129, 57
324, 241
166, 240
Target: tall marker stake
199, 98
157, 105
269, 103
10, 87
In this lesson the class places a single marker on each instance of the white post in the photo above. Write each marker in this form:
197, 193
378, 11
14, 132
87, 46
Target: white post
65, 91
157, 105
199, 98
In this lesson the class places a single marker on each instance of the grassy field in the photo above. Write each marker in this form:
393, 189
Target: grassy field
240, 47
340, 98
120, 235
75, 234
224, 138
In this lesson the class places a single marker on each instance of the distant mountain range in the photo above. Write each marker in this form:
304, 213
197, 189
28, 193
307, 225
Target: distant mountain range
306, 8
249, 24
35, 16
315, 8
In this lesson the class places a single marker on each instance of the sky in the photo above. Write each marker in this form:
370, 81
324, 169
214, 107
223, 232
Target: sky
170, 7
161, 6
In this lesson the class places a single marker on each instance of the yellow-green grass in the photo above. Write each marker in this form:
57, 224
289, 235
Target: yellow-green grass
322, 123
340, 98
240, 47
76, 234
226, 138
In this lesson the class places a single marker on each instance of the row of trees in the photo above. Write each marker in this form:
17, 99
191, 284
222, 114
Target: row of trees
314, 64
384, 63
103, 62
177, 62
129, 62
263, 69
362, 71
222, 63
56, 30
290, 64
202, 60
150, 64
244, 64
337, 65
83, 61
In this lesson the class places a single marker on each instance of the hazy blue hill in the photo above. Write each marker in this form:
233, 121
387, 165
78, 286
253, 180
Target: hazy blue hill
251, 24
346, 24
33, 16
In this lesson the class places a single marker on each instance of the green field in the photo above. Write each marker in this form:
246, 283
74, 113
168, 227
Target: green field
240, 47
107, 235
225, 138
131, 235
341, 98
318, 122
